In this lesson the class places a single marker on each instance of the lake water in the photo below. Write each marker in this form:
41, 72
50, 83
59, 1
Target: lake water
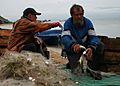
6, 26
110, 28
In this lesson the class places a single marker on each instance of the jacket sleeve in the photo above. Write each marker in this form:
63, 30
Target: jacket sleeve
67, 38
43, 26
26, 26
93, 40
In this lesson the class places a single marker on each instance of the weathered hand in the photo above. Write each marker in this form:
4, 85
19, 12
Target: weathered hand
76, 48
89, 53
55, 24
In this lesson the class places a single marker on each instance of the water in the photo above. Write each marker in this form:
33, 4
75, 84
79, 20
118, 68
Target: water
109, 28
106, 27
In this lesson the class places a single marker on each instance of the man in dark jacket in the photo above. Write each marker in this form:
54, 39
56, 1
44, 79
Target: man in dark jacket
79, 31
23, 32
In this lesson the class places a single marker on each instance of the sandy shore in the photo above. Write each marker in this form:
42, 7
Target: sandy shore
55, 54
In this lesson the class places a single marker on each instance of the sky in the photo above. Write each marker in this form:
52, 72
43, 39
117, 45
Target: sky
105, 14
59, 9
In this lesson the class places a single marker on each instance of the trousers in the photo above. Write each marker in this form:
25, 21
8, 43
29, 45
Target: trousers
39, 48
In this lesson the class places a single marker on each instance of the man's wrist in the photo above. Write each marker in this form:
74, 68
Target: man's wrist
92, 47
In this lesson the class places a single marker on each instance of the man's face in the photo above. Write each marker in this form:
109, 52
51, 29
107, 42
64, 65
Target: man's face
32, 17
77, 15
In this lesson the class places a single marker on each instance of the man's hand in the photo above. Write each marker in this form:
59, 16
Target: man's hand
89, 53
55, 24
77, 48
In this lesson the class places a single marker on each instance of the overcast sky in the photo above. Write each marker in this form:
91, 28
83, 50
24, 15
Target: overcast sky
58, 9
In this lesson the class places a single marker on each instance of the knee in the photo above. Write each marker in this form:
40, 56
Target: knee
101, 45
100, 48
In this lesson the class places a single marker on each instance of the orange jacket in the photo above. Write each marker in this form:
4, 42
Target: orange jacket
23, 33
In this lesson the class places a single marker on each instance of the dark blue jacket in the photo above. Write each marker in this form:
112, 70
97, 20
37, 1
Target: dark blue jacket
84, 35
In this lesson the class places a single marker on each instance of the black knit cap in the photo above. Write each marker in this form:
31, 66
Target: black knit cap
30, 10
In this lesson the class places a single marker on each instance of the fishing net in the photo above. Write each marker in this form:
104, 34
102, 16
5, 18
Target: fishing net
85, 80
33, 67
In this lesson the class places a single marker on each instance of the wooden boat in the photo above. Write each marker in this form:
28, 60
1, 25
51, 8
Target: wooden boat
111, 53
4, 35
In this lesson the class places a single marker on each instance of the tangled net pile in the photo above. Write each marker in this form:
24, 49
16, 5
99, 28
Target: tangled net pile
33, 67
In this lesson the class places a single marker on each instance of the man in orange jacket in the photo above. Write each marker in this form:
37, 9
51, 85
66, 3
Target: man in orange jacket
24, 29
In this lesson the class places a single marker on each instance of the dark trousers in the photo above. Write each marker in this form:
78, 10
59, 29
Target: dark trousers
40, 48
30, 47
97, 58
